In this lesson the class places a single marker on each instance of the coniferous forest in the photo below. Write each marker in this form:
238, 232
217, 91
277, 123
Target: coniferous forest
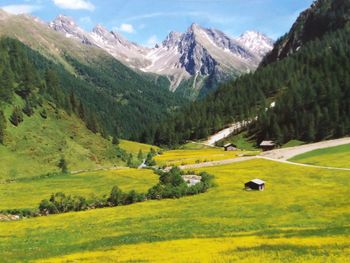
91, 93
311, 90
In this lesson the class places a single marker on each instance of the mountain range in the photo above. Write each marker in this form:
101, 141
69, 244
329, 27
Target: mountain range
305, 76
198, 55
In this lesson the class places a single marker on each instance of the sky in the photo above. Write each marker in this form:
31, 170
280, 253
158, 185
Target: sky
148, 22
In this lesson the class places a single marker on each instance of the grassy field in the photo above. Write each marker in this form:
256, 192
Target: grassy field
46, 141
29, 193
338, 156
194, 146
36, 146
302, 216
183, 157
242, 141
135, 147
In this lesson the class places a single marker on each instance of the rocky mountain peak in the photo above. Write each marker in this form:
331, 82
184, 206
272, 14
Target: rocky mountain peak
100, 29
196, 52
172, 40
67, 25
256, 42
63, 21
194, 27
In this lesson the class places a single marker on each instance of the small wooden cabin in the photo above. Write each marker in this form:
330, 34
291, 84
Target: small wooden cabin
255, 184
230, 147
267, 145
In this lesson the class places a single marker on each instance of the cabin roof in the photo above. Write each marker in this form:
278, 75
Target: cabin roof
267, 143
257, 181
229, 144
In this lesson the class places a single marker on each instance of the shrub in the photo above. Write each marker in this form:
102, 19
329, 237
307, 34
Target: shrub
16, 117
62, 164
46, 207
117, 197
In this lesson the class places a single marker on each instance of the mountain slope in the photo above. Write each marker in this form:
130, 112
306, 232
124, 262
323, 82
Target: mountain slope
322, 17
43, 120
115, 94
195, 55
310, 91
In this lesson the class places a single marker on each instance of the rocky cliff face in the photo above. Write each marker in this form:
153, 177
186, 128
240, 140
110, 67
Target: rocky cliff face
322, 17
182, 56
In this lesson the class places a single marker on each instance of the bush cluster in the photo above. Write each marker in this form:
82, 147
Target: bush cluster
171, 185
61, 203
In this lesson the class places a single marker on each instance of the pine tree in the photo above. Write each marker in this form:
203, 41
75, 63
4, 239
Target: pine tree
62, 164
92, 123
140, 155
115, 140
73, 102
6, 84
81, 111
16, 117
28, 109
2, 127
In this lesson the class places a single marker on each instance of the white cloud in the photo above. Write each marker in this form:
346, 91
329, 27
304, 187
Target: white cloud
127, 28
152, 41
20, 9
75, 4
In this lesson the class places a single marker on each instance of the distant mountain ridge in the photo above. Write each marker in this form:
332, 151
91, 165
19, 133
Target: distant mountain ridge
306, 76
181, 56
117, 95
323, 16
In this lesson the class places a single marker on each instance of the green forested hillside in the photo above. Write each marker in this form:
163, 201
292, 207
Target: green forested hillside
322, 17
109, 97
47, 114
114, 93
310, 89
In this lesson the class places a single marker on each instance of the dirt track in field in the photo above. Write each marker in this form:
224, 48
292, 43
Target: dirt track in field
280, 155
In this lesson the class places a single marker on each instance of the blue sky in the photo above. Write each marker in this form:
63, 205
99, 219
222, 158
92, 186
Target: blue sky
149, 21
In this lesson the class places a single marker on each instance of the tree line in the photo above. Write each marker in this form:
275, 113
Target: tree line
311, 90
171, 185
110, 98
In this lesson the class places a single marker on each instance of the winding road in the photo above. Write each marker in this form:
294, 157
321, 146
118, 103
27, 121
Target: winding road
281, 155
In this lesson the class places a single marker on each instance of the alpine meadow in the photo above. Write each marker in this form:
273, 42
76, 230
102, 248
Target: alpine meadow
228, 141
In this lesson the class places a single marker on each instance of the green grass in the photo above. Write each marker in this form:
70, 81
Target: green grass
135, 147
28, 193
302, 216
36, 146
241, 140
194, 146
338, 156
183, 157
293, 143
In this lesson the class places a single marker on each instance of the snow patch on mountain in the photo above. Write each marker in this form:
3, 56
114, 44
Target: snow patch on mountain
198, 51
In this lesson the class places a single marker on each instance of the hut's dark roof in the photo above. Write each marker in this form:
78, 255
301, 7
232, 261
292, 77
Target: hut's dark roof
257, 181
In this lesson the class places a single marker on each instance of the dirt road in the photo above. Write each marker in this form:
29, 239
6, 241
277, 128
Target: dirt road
216, 163
280, 155
225, 132
288, 153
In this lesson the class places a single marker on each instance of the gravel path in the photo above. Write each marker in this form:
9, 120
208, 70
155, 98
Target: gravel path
216, 163
304, 165
281, 155
288, 153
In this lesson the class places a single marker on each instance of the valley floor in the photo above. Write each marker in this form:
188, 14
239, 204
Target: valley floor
302, 216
